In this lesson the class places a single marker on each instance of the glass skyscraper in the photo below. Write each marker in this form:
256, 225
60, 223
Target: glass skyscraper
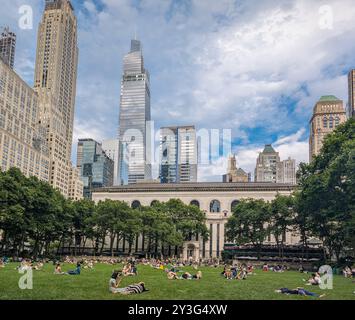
178, 154
134, 117
96, 168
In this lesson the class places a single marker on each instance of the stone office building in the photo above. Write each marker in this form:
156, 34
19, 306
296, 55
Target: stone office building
215, 199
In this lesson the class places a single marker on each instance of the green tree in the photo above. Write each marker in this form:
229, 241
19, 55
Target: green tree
281, 219
248, 224
327, 190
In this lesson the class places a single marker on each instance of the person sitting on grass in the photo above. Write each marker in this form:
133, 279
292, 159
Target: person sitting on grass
299, 291
38, 266
265, 267
228, 274
75, 272
250, 270
2, 264
347, 272
172, 275
127, 270
315, 280
58, 269
25, 265
115, 281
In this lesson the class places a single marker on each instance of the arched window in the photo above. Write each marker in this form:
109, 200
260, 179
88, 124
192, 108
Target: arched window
331, 122
135, 204
195, 203
234, 204
325, 122
154, 203
215, 206
337, 121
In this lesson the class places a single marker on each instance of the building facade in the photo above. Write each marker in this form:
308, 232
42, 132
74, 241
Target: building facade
328, 113
178, 154
111, 148
55, 83
135, 115
351, 94
95, 167
22, 137
286, 171
76, 186
215, 199
266, 165
234, 173
8, 47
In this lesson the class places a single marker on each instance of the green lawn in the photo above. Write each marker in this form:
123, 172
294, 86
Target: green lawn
93, 284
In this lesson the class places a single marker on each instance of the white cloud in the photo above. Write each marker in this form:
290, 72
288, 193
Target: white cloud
244, 65
290, 146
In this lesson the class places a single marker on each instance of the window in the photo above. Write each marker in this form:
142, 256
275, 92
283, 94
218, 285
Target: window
154, 203
325, 122
136, 204
215, 206
331, 122
234, 204
337, 121
195, 203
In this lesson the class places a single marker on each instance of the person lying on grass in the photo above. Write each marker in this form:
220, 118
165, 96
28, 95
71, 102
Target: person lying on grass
299, 291
188, 276
75, 272
115, 281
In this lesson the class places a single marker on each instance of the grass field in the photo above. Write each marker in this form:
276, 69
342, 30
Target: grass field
93, 284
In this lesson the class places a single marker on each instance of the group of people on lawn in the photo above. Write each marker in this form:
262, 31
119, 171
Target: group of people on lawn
237, 272
173, 272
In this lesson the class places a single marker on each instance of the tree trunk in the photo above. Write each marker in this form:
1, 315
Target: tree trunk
112, 240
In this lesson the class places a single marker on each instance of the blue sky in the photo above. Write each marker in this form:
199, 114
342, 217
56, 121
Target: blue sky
256, 67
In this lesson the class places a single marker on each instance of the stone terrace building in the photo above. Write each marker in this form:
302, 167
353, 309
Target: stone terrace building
215, 199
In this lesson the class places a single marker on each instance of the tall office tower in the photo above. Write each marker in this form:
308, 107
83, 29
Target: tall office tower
286, 171
266, 165
76, 186
328, 113
96, 168
55, 83
8, 47
178, 154
22, 138
234, 173
111, 148
134, 117
351, 100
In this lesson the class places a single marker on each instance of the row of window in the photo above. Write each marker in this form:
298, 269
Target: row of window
215, 205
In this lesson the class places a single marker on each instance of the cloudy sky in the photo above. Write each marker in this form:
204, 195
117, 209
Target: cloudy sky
256, 67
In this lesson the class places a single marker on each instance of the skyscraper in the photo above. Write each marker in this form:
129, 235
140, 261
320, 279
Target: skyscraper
96, 168
134, 116
22, 139
111, 148
178, 154
286, 171
351, 99
55, 83
8, 47
266, 165
328, 113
